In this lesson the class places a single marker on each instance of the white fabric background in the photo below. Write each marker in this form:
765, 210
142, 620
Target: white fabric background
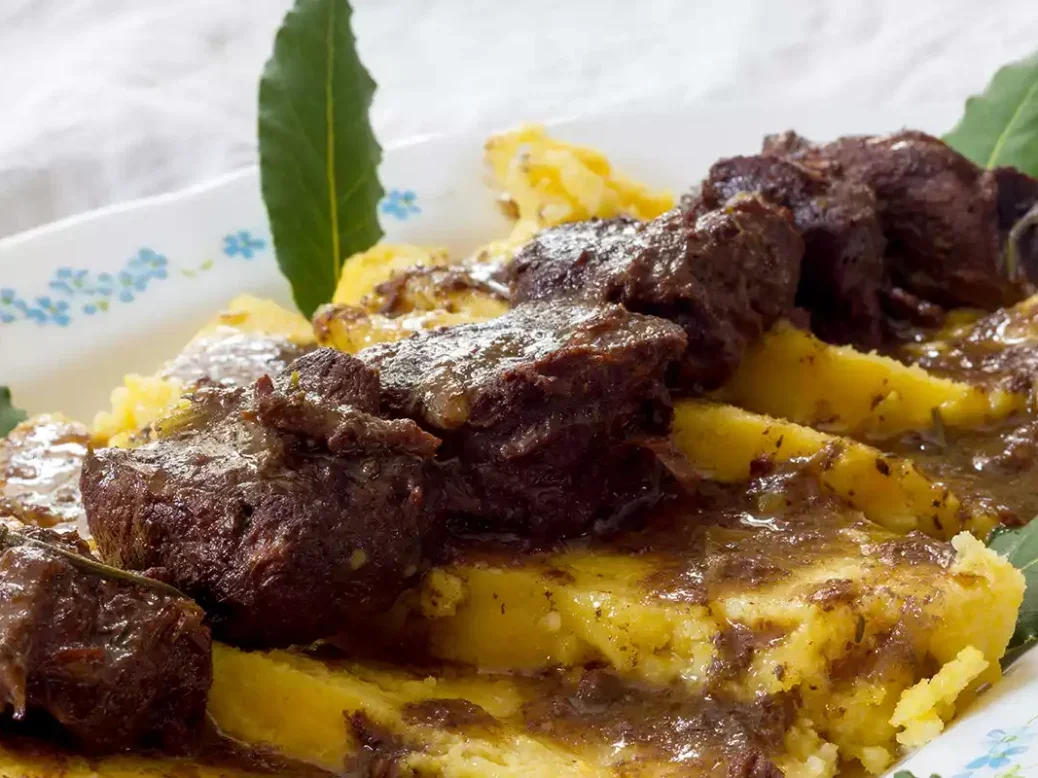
107, 100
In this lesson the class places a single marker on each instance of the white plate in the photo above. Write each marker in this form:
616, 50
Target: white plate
84, 301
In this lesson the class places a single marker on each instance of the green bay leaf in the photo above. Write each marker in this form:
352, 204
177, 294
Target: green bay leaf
318, 154
1020, 546
10, 416
1000, 125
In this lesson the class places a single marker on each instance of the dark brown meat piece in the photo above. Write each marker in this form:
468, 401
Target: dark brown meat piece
842, 272
946, 220
725, 276
287, 509
117, 665
542, 412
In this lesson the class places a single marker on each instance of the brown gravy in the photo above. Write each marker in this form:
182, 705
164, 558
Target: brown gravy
995, 468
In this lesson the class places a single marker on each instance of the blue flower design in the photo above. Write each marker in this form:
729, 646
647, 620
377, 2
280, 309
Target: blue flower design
69, 281
1003, 746
12, 307
148, 264
83, 291
400, 204
47, 309
242, 244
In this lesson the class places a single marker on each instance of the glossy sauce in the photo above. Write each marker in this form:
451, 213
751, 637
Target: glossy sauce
230, 357
40, 463
996, 467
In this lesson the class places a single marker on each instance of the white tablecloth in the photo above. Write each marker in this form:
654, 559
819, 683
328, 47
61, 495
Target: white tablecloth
107, 100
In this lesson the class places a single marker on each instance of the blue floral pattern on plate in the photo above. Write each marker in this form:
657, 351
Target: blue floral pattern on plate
243, 244
401, 204
1004, 747
74, 291
79, 291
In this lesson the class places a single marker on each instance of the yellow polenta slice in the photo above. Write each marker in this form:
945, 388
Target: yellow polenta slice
792, 375
364, 271
846, 615
723, 441
309, 710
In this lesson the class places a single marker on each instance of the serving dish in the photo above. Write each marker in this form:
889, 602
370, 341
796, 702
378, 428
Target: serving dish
84, 301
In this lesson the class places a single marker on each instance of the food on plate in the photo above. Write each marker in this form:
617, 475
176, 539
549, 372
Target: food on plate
725, 276
712, 490
550, 415
547, 182
40, 463
793, 375
841, 274
284, 509
115, 662
947, 220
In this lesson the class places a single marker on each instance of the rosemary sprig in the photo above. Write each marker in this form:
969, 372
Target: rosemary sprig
10, 538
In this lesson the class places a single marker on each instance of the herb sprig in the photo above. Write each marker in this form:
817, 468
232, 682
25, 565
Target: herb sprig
318, 154
10, 538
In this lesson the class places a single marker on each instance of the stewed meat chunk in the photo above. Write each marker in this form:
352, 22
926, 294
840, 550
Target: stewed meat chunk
724, 276
287, 509
115, 664
842, 274
946, 220
547, 414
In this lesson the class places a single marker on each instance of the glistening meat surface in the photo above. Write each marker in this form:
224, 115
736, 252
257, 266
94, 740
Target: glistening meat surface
115, 664
543, 412
724, 276
287, 510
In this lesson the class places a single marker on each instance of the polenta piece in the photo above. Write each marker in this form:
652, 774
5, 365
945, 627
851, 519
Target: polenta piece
380, 300
756, 598
551, 182
723, 442
790, 374
364, 271
463, 724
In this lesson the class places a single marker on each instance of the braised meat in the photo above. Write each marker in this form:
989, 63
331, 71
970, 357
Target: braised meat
115, 664
724, 276
286, 509
842, 273
947, 221
547, 414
